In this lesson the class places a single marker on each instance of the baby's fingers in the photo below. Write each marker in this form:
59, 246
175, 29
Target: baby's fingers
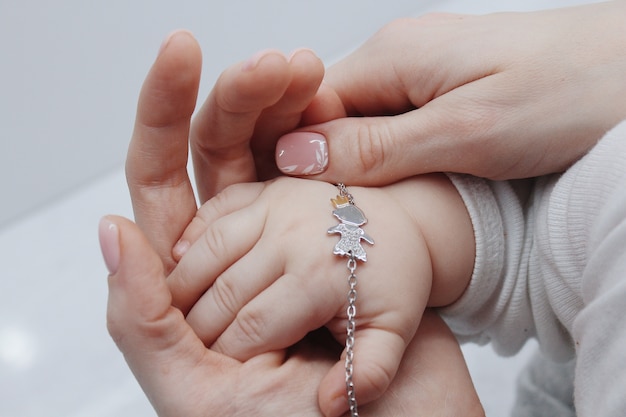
377, 357
276, 318
223, 232
226, 202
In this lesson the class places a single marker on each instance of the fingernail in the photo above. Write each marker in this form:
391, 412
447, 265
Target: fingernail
254, 60
302, 153
169, 37
337, 407
165, 42
180, 248
109, 236
297, 51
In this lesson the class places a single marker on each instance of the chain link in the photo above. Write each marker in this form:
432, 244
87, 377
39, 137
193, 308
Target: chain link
343, 191
351, 329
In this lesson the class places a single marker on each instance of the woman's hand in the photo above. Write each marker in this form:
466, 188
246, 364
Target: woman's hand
502, 96
181, 377
178, 373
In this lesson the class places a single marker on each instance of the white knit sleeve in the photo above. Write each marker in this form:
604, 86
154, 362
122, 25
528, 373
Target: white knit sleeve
582, 252
495, 307
553, 266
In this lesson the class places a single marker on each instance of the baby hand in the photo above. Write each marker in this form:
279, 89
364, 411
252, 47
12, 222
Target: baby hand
263, 269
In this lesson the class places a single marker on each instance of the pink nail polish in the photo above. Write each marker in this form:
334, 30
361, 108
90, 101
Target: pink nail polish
109, 236
302, 153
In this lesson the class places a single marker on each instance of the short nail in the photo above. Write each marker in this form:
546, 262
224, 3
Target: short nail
170, 36
109, 236
297, 51
337, 406
166, 41
254, 60
180, 248
302, 153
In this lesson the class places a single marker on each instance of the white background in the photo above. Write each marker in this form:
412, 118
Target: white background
70, 74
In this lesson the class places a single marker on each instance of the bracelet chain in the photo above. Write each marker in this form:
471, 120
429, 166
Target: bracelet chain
351, 310
351, 328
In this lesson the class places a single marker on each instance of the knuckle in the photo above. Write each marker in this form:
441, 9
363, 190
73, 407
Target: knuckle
196, 227
396, 26
251, 327
377, 378
226, 297
370, 146
218, 205
115, 330
222, 203
215, 241
154, 327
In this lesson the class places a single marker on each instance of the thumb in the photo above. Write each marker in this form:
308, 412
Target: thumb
368, 151
138, 294
151, 334
372, 374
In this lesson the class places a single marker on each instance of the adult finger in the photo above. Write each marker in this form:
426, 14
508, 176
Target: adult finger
156, 164
307, 71
252, 104
223, 127
375, 148
463, 131
468, 130
480, 112
157, 343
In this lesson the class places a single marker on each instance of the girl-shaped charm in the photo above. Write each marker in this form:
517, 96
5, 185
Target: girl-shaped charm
351, 217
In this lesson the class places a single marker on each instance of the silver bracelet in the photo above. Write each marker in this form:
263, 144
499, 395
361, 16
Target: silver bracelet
351, 218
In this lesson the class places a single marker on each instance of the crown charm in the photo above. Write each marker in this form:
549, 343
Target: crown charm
340, 201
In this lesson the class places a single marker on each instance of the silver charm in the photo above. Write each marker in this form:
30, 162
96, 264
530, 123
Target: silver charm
351, 218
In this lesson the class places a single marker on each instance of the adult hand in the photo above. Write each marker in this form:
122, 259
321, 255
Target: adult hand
252, 104
181, 377
178, 374
500, 96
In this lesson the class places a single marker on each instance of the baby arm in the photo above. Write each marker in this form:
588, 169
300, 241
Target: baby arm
262, 265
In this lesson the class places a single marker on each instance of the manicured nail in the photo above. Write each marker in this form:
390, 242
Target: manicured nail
169, 37
302, 153
109, 236
166, 41
180, 248
297, 51
254, 60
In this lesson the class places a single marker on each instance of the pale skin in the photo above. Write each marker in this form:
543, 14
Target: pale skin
501, 96
178, 373
262, 273
181, 377
508, 90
